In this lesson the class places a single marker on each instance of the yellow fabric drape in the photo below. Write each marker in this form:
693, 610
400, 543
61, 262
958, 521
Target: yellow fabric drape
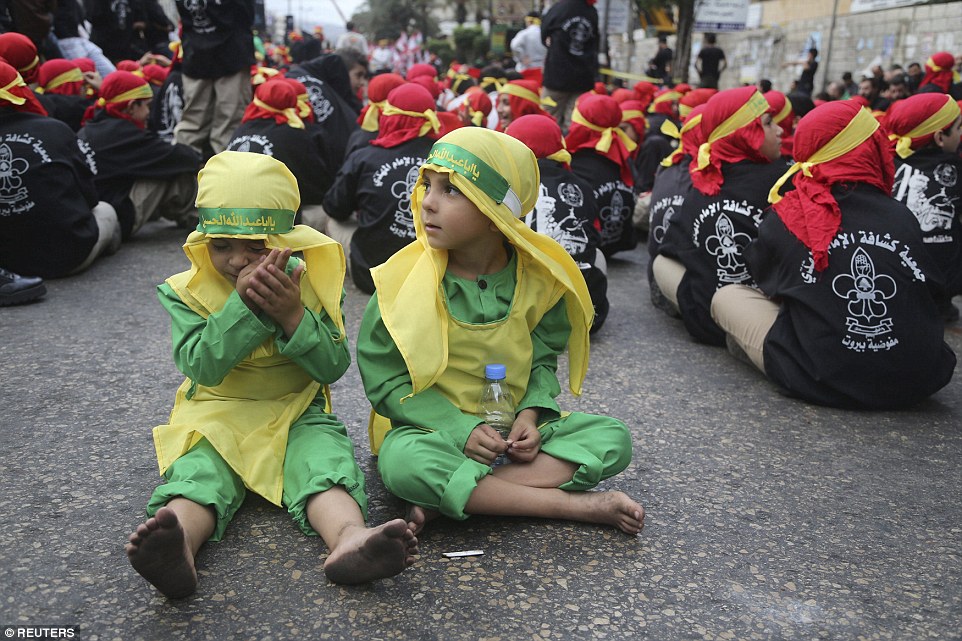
74, 75
293, 120
690, 124
5, 94
372, 116
607, 133
753, 108
430, 117
143, 92
938, 121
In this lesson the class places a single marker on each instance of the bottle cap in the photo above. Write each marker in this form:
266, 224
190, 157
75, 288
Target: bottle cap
495, 372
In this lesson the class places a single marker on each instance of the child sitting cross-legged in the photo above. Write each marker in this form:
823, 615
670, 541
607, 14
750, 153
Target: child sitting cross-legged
260, 336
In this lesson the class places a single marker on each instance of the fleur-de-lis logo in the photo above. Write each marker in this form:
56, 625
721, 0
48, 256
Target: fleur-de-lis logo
658, 233
11, 168
401, 189
865, 291
612, 218
726, 244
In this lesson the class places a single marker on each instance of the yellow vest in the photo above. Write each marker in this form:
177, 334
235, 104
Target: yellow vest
471, 346
247, 416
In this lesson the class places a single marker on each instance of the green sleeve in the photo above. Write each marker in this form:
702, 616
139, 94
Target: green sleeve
386, 381
317, 346
548, 341
206, 350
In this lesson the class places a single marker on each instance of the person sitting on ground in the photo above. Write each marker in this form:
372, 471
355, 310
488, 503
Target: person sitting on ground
731, 175
260, 336
566, 208
518, 98
478, 286
271, 126
601, 155
376, 183
941, 76
142, 176
924, 130
870, 93
51, 221
475, 108
845, 312
780, 108
19, 52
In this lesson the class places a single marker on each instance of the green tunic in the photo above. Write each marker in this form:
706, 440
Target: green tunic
429, 468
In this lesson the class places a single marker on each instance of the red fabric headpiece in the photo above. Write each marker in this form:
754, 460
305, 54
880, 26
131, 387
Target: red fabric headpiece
600, 111
693, 137
155, 74
20, 52
523, 106
8, 78
600, 88
810, 211
428, 83
381, 85
304, 110
645, 92
783, 116
666, 107
635, 113
277, 95
117, 83
621, 94
449, 122
86, 65
422, 69
56, 67
743, 144
476, 101
395, 129
696, 97
942, 78
908, 113
683, 87
129, 65
541, 134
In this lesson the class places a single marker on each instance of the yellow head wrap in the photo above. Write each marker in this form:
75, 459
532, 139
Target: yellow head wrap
754, 108
690, 124
253, 196
499, 174
431, 122
291, 113
607, 133
73, 75
854, 134
13, 99
372, 115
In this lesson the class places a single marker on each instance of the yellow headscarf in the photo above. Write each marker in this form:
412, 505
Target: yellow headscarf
253, 196
499, 174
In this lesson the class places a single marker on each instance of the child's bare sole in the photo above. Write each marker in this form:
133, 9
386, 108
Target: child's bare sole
418, 517
159, 551
612, 508
368, 554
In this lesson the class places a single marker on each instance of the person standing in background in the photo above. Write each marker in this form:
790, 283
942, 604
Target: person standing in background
528, 49
710, 63
570, 33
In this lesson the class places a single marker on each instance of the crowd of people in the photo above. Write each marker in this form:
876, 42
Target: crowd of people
817, 238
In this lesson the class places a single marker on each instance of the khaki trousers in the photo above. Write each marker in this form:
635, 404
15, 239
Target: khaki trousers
747, 315
213, 108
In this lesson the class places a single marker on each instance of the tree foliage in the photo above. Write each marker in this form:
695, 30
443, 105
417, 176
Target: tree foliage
387, 18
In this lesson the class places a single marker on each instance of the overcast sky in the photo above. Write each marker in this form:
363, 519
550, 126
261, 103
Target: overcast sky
311, 12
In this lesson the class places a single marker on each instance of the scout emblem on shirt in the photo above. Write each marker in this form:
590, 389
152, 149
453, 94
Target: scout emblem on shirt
567, 230
866, 292
403, 226
198, 15
933, 207
253, 143
12, 190
726, 245
612, 218
579, 30
658, 233
171, 110
321, 106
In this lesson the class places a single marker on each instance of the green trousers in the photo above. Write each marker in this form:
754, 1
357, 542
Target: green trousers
428, 469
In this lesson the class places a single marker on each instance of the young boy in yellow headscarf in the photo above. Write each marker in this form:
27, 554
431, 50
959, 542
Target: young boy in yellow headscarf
260, 336
477, 287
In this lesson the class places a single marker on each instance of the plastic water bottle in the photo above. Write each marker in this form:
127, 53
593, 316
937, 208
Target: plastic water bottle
496, 406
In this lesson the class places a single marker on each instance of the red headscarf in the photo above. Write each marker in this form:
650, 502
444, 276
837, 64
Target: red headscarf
810, 211
304, 110
449, 122
155, 74
15, 93
428, 83
60, 76
118, 90
600, 88
408, 114
938, 71
913, 122
744, 106
683, 88
784, 117
20, 52
621, 94
632, 112
645, 92
665, 102
691, 137
275, 101
422, 69
86, 65
694, 98
594, 125
378, 88
477, 104
524, 97
542, 135
132, 66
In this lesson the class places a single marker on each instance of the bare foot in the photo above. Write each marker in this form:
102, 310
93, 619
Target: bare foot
159, 551
418, 517
366, 554
610, 508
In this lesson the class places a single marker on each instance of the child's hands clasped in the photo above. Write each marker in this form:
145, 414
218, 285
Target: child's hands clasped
266, 285
485, 444
525, 439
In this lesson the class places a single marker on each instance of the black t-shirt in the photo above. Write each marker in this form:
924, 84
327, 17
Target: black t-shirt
218, 40
709, 235
566, 211
302, 152
571, 62
711, 58
377, 182
67, 109
671, 187
168, 106
655, 148
658, 65
806, 81
864, 333
46, 225
615, 200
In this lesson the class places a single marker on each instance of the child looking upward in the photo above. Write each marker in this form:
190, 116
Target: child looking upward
259, 335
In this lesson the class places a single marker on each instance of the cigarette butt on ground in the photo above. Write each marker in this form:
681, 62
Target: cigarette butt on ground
452, 555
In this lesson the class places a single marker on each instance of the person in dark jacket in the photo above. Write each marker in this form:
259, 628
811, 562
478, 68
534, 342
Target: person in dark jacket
570, 32
142, 176
846, 312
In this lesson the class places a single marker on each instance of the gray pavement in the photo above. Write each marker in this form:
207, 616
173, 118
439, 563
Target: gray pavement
767, 518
